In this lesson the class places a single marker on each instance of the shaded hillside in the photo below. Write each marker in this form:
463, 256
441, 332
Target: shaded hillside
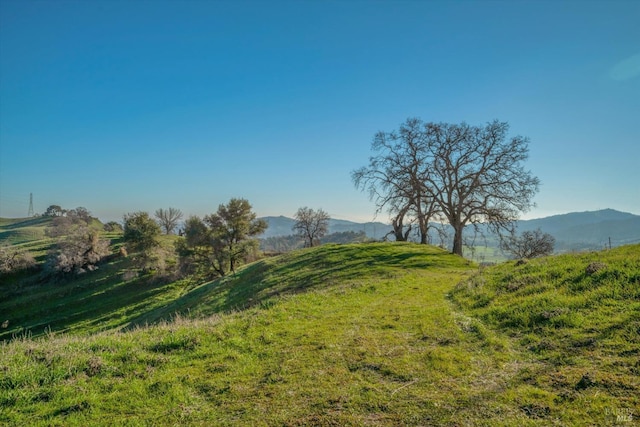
576, 316
15, 231
108, 298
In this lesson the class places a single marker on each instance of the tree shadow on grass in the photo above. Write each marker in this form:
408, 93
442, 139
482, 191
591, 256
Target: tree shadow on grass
78, 303
300, 271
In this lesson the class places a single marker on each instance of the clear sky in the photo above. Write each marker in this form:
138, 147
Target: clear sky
120, 106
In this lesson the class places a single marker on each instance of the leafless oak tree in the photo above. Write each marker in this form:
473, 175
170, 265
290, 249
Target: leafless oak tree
530, 244
396, 178
311, 225
13, 259
456, 173
168, 219
477, 176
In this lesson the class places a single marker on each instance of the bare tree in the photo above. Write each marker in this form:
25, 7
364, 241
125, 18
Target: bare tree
477, 176
399, 231
455, 173
168, 219
78, 252
311, 225
396, 178
530, 244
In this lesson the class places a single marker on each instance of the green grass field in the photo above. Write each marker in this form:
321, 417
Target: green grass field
362, 334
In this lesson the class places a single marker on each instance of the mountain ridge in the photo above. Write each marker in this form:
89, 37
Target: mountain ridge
573, 230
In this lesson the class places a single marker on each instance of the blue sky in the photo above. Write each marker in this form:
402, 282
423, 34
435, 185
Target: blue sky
120, 106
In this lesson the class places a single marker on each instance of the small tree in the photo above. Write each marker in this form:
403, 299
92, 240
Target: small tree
80, 214
530, 244
79, 251
168, 219
79, 247
218, 243
311, 225
194, 249
141, 235
232, 229
53, 211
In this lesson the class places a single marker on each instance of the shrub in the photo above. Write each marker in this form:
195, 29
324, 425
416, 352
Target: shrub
14, 259
530, 244
78, 252
594, 267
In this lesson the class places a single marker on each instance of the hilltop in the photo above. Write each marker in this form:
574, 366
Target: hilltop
360, 334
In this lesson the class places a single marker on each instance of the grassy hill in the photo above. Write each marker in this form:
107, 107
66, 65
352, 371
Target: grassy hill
21, 230
27, 233
366, 334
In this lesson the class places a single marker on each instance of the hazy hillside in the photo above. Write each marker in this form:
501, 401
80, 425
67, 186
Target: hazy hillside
573, 231
588, 230
281, 226
556, 223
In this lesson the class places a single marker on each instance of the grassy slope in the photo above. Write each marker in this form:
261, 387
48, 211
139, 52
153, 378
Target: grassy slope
355, 335
371, 339
577, 317
104, 299
21, 230
26, 233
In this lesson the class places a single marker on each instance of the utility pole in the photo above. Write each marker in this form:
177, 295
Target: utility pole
30, 213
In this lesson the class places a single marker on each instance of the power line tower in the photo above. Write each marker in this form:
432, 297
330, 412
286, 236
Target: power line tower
30, 214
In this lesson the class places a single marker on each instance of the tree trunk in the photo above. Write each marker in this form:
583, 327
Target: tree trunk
424, 235
457, 239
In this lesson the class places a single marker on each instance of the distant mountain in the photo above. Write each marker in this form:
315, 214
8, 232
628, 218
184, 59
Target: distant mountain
282, 226
555, 223
573, 231
588, 230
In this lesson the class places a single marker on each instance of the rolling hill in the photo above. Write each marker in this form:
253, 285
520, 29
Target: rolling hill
364, 334
588, 230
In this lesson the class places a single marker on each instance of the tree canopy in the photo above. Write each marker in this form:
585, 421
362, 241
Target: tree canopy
223, 239
79, 246
140, 231
141, 234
